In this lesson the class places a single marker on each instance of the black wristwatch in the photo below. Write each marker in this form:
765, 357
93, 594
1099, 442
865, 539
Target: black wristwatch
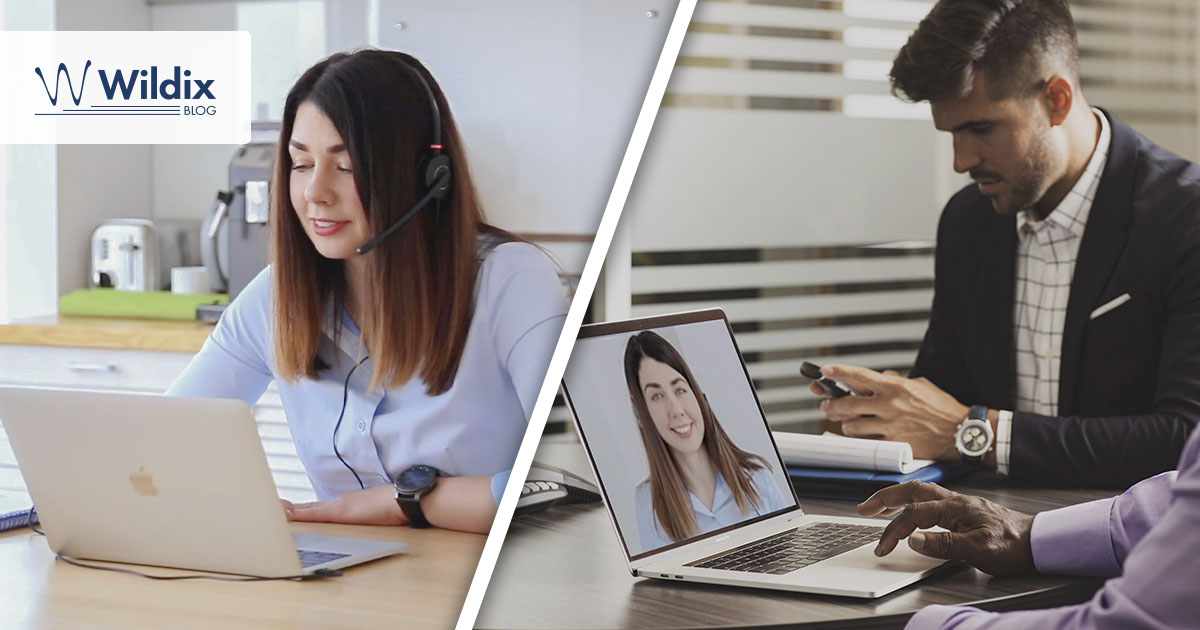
974, 437
411, 485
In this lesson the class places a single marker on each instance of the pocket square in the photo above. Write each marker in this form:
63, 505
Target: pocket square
1100, 310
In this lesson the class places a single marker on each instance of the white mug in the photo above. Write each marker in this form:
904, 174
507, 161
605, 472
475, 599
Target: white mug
190, 280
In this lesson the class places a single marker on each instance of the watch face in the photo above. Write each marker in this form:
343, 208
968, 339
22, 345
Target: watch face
416, 479
973, 439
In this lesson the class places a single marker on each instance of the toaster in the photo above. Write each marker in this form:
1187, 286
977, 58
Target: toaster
124, 255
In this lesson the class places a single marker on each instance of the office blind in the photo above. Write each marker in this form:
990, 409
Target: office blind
1138, 59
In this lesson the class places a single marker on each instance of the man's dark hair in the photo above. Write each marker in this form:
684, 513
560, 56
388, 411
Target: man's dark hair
1012, 43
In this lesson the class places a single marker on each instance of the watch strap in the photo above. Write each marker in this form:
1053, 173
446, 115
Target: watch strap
978, 411
409, 499
411, 506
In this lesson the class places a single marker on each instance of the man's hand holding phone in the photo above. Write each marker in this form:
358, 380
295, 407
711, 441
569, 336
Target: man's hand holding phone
890, 407
825, 386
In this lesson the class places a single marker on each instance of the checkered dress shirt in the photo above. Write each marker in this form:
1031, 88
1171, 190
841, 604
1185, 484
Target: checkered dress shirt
1046, 253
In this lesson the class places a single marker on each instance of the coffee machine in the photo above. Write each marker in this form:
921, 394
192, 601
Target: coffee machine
237, 234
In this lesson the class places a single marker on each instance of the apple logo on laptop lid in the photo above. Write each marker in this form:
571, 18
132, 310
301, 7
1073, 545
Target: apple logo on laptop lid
143, 482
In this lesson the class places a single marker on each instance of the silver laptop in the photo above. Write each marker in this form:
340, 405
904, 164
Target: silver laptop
661, 404
171, 482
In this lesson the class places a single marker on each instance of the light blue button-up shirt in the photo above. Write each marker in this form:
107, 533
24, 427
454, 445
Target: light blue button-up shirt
472, 429
724, 511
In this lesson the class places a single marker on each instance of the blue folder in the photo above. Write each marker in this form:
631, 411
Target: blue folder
856, 485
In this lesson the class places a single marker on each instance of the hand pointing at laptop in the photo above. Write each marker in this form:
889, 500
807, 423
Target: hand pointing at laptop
987, 535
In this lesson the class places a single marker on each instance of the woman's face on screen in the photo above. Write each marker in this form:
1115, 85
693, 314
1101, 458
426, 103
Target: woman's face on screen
322, 185
673, 405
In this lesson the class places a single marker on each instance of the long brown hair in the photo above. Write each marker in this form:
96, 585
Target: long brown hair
667, 490
420, 281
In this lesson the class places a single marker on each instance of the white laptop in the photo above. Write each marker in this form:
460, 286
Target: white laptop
170, 482
771, 543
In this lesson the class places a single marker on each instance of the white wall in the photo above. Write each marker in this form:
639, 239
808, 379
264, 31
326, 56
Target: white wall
98, 182
3, 215
348, 23
286, 38
28, 245
185, 178
105, 15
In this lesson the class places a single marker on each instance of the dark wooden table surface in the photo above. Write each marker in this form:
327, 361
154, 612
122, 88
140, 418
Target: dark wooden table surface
563, 568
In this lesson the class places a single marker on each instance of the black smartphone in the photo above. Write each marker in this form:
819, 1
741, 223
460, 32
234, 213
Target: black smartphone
835, 389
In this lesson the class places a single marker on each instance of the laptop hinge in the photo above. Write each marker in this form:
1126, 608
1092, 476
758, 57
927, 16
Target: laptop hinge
728, 540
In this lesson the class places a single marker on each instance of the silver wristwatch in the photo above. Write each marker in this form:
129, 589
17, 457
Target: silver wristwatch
974, 437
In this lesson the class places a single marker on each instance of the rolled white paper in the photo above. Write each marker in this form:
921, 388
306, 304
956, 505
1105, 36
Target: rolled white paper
836, 451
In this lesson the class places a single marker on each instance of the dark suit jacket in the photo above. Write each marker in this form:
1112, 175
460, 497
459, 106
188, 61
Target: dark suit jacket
1129, 388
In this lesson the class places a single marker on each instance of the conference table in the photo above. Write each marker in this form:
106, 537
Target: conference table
422, 588
563, 568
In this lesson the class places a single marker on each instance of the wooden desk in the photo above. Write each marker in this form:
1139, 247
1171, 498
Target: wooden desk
563, 568
423, 588
106, 332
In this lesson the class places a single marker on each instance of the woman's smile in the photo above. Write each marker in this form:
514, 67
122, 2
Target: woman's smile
684, 431
322, 227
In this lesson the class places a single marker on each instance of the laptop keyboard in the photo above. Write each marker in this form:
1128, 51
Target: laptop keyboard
309, 558
793, 549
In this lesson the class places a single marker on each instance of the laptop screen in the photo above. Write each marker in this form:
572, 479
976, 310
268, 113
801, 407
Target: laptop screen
671, 423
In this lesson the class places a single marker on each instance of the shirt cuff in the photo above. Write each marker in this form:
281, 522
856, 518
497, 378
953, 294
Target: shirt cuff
1003, 440
938, 616
1075, 540
499, 480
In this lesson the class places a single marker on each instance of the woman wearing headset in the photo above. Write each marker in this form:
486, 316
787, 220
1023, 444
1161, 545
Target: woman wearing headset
699, 479
408, 337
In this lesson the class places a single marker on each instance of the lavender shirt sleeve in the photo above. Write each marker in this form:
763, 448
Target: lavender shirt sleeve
1149, 536
499, 480
233, 363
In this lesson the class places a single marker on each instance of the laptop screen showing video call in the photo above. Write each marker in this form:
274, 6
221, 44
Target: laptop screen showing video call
678, 440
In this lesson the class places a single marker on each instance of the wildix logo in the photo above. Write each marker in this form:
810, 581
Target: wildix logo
118, 85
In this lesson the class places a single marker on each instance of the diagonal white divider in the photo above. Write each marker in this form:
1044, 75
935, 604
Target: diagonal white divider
583, 295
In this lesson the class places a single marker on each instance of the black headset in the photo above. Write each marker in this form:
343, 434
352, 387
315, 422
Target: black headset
434, 164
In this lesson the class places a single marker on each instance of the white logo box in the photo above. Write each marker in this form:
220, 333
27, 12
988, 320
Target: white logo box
140, 87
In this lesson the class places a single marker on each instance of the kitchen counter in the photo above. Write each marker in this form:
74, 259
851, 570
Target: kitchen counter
106, 332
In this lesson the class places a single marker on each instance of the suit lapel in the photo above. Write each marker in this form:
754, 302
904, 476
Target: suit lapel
1103, 243
994, 301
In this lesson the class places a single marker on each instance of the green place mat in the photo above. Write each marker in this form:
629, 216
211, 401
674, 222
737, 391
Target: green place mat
136, 304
